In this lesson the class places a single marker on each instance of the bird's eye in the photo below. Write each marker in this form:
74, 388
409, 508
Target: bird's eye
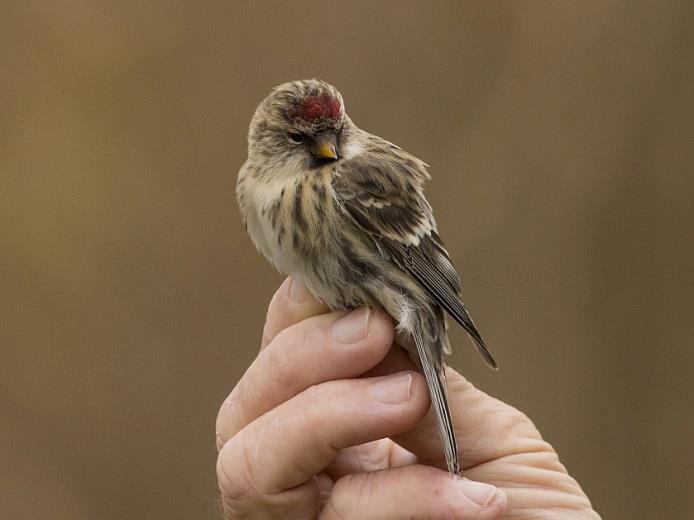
296, 137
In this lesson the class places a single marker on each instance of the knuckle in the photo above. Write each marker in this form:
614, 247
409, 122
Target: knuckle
375, 455
516, 424
292, 335
246, 482
232, 415
354, 494
289, 350
308, 405
341, 503
236, 472
314, 411
315, 397
281, 364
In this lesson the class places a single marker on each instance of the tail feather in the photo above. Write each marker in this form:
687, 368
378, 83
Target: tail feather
434, 373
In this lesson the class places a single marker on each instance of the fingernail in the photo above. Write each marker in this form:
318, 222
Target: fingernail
298, 292
352, 327
478, 492
393, 389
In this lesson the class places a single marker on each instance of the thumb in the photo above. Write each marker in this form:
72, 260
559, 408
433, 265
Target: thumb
416, 492
486, 428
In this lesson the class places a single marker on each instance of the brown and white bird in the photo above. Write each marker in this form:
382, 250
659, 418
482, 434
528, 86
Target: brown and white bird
344, 211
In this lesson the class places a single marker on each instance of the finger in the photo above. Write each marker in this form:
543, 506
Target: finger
318, 349
291, 443
486, 428
292, 303
383, 453
416, 492
372, 456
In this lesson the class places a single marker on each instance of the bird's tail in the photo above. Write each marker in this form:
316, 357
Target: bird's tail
431, 359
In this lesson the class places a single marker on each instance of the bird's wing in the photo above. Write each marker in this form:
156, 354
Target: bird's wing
386, 200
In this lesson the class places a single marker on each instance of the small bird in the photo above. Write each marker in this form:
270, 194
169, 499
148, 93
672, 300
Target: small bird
343, 211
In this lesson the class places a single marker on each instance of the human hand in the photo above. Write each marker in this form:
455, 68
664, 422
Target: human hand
330, 422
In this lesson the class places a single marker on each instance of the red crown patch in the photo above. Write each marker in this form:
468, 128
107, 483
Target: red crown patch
314, 108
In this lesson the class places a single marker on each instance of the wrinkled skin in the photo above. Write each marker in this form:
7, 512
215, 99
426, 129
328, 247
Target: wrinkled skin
309, 432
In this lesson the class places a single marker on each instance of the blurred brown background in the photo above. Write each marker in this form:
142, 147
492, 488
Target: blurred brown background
560, 138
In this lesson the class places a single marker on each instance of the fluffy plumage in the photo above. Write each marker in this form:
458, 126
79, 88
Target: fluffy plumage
344, 211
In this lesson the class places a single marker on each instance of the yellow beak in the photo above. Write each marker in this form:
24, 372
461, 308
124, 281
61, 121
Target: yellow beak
324, 147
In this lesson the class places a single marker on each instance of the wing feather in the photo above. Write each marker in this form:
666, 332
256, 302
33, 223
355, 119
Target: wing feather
389, 204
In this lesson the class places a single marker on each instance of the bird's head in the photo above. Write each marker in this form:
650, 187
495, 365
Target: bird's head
302, 121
